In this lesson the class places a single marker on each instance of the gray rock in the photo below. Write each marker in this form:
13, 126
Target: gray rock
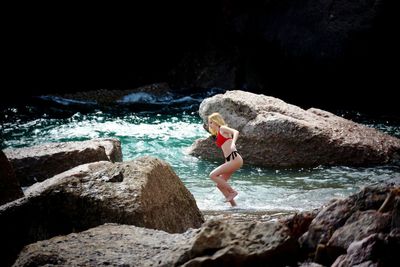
224, 243
373, 250
107, 97
9, 184
217, 243
37, 163
346, 220
358, 226
274, 133
109, 244
145, 192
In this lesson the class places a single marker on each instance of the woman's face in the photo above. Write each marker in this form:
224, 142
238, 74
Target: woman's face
213, 125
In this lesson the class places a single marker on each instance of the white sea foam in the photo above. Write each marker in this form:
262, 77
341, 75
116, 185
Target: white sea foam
66, 101
143, 97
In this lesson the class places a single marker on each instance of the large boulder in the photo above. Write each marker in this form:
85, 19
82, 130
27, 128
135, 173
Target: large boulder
374, 250
217, 243
345, 221
145, 192
37, 163
109, 245
276, 134
9, 185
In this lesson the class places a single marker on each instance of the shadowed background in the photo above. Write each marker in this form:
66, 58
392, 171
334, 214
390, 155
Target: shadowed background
331, 54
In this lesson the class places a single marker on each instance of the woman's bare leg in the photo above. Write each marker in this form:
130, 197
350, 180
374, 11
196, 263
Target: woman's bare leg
227, 167
228, 192
225, 192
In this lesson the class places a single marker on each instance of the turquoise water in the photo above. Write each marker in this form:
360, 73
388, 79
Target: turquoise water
168, 136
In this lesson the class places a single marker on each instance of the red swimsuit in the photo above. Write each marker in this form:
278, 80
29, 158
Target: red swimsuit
221, 139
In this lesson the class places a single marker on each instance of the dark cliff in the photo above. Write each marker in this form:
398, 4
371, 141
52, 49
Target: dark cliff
311, 53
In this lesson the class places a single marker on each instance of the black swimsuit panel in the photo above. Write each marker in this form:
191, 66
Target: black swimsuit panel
233, 155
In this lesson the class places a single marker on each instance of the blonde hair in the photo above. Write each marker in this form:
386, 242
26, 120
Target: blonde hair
216, 118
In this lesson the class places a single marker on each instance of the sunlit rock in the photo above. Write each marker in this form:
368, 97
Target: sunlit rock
217, 243
145, 192
111, 245
9, 185
37, 163
274, 133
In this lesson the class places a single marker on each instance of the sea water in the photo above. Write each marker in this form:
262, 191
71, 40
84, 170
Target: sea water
168, 136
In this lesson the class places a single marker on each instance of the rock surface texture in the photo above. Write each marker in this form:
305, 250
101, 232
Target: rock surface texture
276, 134
145, 192
37, 163
9, 184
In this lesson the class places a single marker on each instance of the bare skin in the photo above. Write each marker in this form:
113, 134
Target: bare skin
225, 192
222, 174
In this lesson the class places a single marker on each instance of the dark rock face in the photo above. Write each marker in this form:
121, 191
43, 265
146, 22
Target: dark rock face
37, 163
309, 51
354, 224
104, 97
278, 134
145, 192
374, 250
9, 185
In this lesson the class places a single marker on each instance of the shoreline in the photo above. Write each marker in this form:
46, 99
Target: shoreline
241, 215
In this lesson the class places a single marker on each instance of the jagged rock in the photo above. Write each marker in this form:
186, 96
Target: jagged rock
9, 185
347, 220
223, 243
145, 192
112, 148
112, 97
217, 243
373, 250
274, 133
109, 244
37, 163
298, 223
357, 227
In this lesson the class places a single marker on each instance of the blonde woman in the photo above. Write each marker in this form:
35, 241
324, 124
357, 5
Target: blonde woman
225, 139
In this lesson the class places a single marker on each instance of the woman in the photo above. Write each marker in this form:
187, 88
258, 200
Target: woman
225, 139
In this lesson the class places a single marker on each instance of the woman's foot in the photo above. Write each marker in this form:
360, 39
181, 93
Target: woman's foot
233, 203
231, 196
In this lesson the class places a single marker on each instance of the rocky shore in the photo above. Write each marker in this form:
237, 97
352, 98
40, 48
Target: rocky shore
82, 205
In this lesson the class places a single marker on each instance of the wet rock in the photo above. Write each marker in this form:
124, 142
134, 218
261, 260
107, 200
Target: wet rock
111, 97
274, 133
37, 163
10, 188
145, 192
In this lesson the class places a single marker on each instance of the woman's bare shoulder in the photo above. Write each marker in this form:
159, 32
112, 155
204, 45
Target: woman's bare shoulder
227, 129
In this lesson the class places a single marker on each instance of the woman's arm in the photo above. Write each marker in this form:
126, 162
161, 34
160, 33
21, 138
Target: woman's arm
233, 132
